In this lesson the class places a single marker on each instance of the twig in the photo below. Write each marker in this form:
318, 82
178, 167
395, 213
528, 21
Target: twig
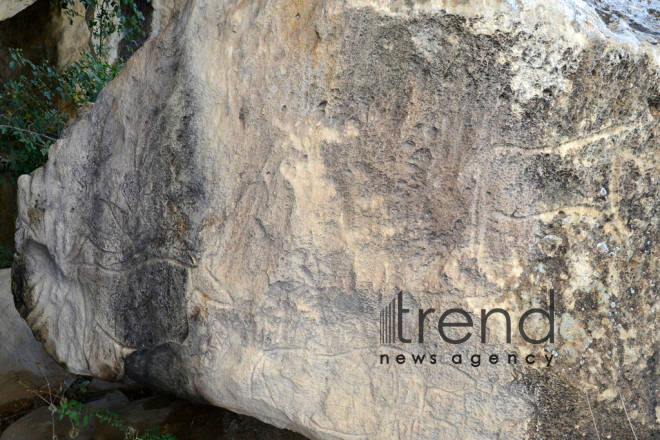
51, 407
9, 127
624, 408
592, 415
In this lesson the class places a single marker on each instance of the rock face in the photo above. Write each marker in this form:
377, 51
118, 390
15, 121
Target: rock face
19, 354
240, 204
10, 8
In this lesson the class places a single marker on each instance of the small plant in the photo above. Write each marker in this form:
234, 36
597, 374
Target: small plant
35, 109
61, 401
51, 396
109, 17
79, 415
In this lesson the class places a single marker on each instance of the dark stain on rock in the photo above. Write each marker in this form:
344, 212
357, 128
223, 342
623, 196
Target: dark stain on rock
159, 366
563, 412
149, 305
19, 282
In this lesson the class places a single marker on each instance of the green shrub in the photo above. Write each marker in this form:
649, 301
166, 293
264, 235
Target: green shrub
35, 108
61, 401
78, 415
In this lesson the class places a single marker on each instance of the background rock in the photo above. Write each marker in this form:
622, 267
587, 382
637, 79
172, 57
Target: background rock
19, 354
43, 32
10, 8
261, 179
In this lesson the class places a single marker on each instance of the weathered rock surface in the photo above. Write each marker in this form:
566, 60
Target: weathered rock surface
230, 218
12, 7
19, 354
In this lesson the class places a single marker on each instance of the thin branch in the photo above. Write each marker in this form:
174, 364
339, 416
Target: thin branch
592, 415
624, 408
50, 393
10, 127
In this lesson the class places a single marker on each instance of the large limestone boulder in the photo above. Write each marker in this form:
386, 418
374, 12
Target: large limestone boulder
233, 214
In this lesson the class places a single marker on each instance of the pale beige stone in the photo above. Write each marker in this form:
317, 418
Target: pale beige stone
9, 8
231, 216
